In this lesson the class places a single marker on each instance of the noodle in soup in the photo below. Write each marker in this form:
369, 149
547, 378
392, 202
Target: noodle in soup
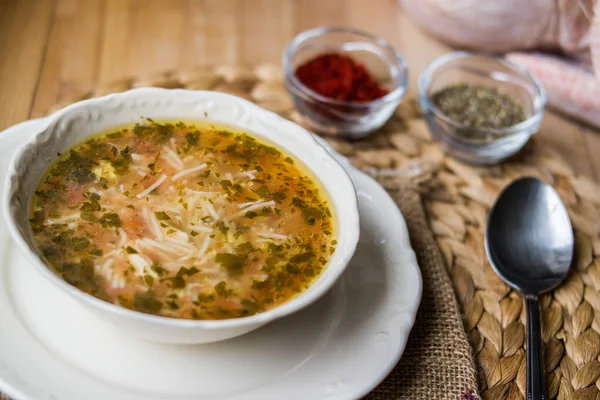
183, 220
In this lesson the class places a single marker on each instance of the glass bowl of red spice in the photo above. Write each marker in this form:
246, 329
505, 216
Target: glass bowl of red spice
344, 82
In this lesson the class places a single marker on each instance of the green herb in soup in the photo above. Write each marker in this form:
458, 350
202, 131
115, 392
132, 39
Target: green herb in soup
183, 221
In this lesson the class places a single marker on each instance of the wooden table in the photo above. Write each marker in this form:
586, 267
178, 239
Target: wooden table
52, 50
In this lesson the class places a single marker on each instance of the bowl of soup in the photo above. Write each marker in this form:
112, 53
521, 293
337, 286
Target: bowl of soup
181, 216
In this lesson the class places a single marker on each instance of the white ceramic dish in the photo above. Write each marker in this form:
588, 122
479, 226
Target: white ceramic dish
339, 348
78, 121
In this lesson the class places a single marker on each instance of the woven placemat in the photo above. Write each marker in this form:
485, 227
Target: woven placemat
457, 198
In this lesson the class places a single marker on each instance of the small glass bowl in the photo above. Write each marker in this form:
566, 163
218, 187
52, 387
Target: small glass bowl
481, 145
342, 118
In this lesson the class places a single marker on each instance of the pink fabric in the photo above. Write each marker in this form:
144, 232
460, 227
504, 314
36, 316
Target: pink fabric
525, 29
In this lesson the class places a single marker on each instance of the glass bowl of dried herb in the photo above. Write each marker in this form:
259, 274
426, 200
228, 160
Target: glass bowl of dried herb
344, 82
482, 108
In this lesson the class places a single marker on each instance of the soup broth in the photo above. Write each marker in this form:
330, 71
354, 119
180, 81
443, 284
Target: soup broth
184, 221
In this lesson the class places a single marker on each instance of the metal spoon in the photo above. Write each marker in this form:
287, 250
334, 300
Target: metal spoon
529, 242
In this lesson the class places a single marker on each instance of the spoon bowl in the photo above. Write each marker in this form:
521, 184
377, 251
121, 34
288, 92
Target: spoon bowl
529, 242
529, 239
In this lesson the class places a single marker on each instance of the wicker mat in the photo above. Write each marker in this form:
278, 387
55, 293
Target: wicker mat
437, 364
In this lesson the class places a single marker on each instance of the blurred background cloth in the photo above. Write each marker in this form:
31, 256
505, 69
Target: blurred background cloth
557, 40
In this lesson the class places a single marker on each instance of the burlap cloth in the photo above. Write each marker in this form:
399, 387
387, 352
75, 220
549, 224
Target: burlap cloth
438, 362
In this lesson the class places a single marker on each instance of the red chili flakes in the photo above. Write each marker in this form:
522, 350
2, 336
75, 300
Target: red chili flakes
339, 77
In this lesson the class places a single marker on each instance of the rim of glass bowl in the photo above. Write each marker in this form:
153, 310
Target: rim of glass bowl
310, 95
539, 99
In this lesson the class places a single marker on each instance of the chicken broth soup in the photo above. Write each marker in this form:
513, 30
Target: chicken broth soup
184, 221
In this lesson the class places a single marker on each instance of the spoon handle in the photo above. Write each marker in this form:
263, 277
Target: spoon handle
536, 385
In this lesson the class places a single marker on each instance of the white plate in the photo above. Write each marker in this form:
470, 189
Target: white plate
339, 348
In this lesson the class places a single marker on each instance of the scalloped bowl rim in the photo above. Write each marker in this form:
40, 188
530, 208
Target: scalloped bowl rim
348, 214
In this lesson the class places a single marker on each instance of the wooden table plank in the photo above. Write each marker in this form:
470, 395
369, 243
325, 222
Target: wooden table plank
157, 29
71, 63
265, 29
379, 18
309, 14
23, 37
212, 36
115, 41
418, 48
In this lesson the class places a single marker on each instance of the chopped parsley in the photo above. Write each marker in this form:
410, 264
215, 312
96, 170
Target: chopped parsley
131, 250
97, 235
162, 216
